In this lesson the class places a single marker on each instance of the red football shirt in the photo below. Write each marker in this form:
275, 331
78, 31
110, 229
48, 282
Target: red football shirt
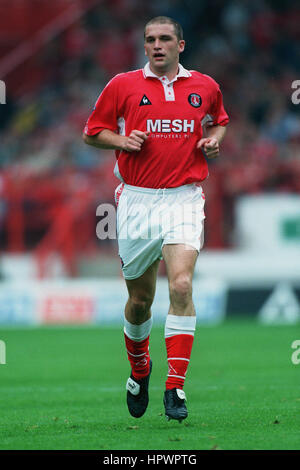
173, 112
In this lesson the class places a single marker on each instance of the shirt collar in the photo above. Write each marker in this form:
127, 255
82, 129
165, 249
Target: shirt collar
182, 72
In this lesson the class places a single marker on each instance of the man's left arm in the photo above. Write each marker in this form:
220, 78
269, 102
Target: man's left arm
211, 142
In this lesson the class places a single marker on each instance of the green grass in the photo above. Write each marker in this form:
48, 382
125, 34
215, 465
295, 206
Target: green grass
64, 388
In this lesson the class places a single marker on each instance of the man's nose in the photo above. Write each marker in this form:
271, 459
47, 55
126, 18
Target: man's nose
157, 44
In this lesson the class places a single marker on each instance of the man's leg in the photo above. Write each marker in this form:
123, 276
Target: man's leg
137, 327
180, 324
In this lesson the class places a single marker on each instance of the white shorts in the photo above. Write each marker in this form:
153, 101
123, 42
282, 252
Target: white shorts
148, 219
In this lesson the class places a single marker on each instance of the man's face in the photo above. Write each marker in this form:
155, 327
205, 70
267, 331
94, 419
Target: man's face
162, 47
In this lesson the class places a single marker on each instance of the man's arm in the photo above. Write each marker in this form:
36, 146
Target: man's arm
107, 139
210, 143
217, 132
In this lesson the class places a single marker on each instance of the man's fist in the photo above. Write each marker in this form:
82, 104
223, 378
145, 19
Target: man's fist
210, 145
135, 140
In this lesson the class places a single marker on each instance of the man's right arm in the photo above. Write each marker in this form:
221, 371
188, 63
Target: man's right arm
107, 139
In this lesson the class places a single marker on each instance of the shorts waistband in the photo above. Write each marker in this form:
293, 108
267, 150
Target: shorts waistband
158, 191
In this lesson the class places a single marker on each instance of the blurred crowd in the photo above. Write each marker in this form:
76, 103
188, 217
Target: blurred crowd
250, 47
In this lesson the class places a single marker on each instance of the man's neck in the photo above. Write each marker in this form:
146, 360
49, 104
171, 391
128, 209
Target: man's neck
170, 74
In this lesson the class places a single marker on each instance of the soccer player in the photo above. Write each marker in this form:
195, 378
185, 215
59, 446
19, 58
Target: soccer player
161, 120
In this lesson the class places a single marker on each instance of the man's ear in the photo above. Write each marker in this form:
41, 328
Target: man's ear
181, 45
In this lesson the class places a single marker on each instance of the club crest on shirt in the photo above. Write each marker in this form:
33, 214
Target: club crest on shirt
195, 100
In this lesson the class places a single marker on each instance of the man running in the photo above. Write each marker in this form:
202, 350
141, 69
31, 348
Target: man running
161, 120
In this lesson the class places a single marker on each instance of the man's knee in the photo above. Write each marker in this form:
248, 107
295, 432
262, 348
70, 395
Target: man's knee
180, 289
140, 303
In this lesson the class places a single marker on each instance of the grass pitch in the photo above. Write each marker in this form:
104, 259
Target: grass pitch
64, 388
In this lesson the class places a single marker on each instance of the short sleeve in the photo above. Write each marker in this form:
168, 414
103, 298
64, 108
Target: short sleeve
105, 112
217, 111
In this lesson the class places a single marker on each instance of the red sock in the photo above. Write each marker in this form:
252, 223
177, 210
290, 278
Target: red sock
179, 337
179, 348
138, 355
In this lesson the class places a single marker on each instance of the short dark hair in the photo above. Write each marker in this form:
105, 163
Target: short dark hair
166, 20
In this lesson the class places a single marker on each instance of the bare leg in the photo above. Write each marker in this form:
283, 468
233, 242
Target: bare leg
137, 329
180, 264
141, 294
180, 325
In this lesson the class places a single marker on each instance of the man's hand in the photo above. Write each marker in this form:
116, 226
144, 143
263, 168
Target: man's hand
210, 145
135, 140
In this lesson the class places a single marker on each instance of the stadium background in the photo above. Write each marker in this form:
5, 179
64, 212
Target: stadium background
55, 57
